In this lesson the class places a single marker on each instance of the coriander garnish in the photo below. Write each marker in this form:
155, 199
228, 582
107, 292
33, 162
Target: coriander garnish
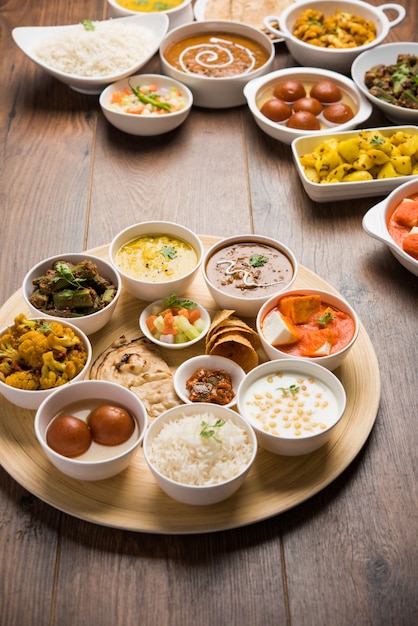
258, 260
292, 390
209, 431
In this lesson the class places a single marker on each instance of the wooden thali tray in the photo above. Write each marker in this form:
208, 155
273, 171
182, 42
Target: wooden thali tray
133, 501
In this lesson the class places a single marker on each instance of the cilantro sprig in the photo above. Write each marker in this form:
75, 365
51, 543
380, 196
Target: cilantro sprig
209, 431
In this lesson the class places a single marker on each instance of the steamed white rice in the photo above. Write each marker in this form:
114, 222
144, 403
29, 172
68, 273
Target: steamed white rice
110, 49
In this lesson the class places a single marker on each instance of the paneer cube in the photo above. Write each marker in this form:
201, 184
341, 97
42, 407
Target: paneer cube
300, 308
317, 343
277, 330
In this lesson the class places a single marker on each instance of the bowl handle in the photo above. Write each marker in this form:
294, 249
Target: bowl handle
374, 224
400, 10
268, 24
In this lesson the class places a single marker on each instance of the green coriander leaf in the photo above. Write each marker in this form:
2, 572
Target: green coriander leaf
174, 302
258, 260
377, 141
88, 25
292, 390
325, 318
169, 252
209, 431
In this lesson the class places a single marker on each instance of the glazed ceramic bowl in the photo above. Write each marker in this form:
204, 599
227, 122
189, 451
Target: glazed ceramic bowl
330, 361
87, 323
245, 301
209, 91
336, 59
376, 219
146, 124
267, 398
170, 342
28, 38
33, 398
100, 461
182, 14
207, 362
195, 424
149, 290
386, 54
259, 90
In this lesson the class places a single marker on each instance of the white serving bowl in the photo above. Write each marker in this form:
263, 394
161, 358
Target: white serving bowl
385, 54
112, 459
87, 323
208, 362
27, 37
337, 59
158, 306
199, 494
32, 399
298, 370
333, 192
150, 291
145, 125
256, 90
376, 218
331, 361
211, 92
181, 14
246, 305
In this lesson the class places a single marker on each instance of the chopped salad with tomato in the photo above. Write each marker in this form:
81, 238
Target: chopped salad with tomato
179, 321
148, 100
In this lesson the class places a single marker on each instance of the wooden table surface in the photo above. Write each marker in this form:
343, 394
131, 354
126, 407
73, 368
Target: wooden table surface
70, 182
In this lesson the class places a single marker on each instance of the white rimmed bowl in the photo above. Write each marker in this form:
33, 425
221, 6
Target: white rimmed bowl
150, 291
112, 460
177, 16
297, 370
337, 59
87, 323
208, 362
199, 494
27, 37
259, 87
376, 218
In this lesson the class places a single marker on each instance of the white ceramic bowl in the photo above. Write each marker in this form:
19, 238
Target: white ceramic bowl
181, 14
112, 459
27, 37
211, 92
158, 306
32, 399
337, 59
246, 305
295, 370
87, 323
331, 361
208, 362
199, 494
150, 291
376, 218
333, 192
145, 125
256, 91
386, 54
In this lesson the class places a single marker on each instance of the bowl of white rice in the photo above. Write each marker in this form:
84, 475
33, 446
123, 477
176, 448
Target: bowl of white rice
92, 54
200, 455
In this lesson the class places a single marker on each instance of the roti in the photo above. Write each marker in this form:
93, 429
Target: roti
246, 11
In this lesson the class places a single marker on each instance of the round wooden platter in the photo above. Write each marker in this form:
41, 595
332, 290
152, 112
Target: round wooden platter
133, 501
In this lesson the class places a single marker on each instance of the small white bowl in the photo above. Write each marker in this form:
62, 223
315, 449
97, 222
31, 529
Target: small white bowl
331, 361
150, 291
376, 218
199, 494
386, 54
246, 305
211, 92
32, 399
297, 370
181, 14
112, 460
259, 87
337, 59
208, 362
157, 306
87, 323
27, 37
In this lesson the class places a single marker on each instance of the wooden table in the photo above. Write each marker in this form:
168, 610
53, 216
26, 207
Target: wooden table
70, 182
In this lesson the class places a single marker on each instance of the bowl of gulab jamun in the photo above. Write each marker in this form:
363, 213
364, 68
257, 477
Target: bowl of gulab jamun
296, 101
91, 430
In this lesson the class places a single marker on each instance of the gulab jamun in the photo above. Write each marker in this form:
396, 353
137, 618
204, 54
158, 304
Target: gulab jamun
326, 91
276, 110
289, 90
110, 425
307, 103
303, 120
338, 113
69, 436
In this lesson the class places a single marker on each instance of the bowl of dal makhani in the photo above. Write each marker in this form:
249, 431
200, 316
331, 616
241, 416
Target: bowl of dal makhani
215, 59
200, 454
156, 259
178, 11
